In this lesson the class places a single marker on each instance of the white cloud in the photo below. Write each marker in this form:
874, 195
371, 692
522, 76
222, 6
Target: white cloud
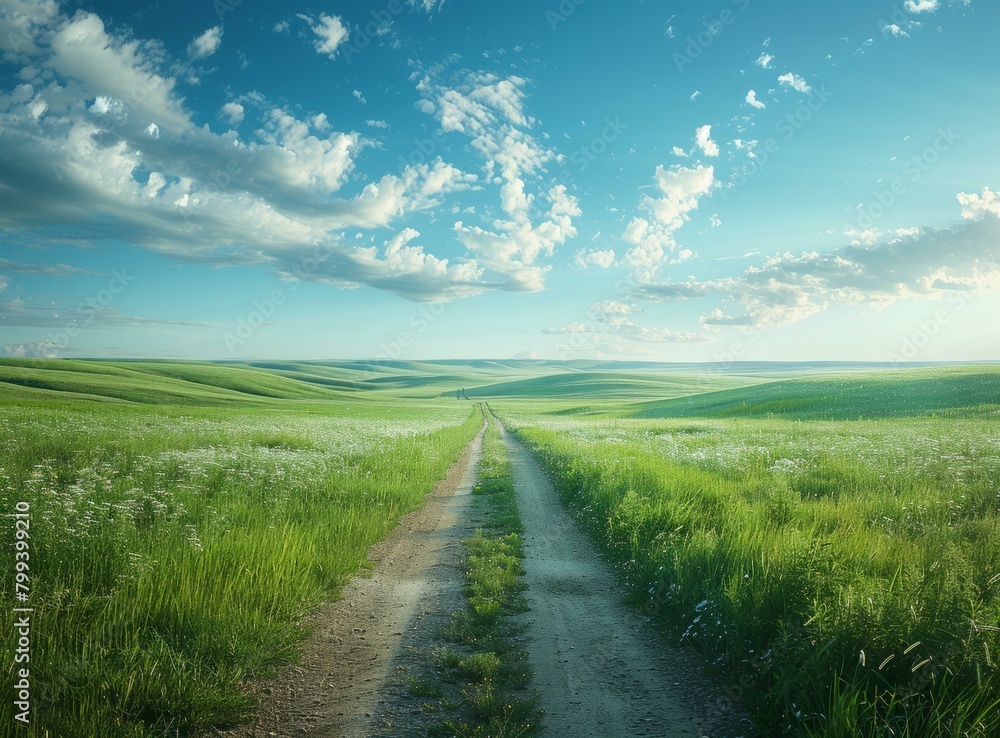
331, 33
604, 259
977, 207
41, 350
281, 26
576, 327
894, 30
203, 46
21, 23
915, 264
612, 320
795, 82
921, 6
652, 238
753, 101
429, 5
161, 181
360, 97
764, 61
232, 112
679, 152
695, 94
490, 111
703, 138
92, 63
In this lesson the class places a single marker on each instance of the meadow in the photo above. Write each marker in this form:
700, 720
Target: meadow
830, 543
175, 549
842, 575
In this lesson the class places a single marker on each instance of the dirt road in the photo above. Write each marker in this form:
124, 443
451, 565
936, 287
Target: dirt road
600, 667
351, 660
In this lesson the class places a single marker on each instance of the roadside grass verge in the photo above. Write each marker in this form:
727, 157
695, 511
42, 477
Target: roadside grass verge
174, 553
843, 577
482, 679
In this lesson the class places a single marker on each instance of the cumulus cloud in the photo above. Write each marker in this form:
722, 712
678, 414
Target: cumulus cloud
893, 29
489, 110
703, 138
913, 264
604, 259
795, 82
753, 101
106, 162
978, 206
921, 6
330, 33
203, 46
652, 237
232, 112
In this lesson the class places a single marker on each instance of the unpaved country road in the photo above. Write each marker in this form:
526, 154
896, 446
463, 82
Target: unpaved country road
600, 667
337, 690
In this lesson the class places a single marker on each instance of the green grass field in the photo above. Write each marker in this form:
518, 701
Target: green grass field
843, 575
831, 542
181, 531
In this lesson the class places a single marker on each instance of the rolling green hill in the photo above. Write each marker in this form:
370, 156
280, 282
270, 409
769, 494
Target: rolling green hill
155, 383
645, 394
607, 385
888, 394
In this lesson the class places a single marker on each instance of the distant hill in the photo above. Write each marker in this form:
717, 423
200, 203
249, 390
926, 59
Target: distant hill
607, 385
886, 394
632, 388
157, 383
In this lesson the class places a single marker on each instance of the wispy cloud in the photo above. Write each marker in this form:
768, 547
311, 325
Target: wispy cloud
49, 270
915, 264
206, 44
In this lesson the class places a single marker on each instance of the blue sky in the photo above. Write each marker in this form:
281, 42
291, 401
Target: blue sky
701, 181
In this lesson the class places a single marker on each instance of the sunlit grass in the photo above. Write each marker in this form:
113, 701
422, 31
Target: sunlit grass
174, 552
844, 576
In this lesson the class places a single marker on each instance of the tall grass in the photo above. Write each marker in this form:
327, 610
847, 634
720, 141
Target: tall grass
174, 553
844, 577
